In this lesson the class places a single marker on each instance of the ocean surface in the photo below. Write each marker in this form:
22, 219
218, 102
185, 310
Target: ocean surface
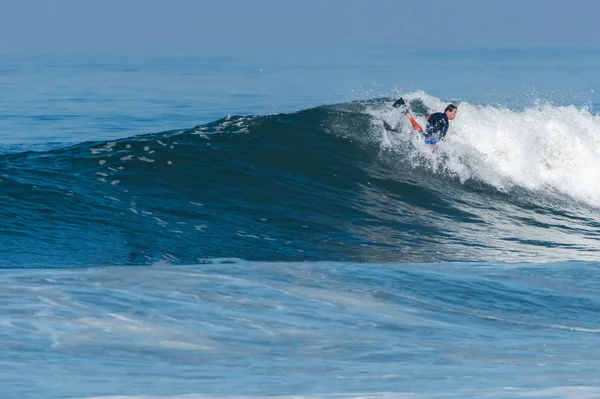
237, 225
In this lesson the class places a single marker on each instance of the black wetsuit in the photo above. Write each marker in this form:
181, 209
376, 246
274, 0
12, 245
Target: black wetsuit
437, 126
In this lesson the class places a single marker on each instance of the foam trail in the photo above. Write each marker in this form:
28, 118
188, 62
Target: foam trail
544, 148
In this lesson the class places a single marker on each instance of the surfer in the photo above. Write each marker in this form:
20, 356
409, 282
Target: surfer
437, 123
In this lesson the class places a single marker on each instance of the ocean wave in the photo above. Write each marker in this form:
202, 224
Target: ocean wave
319, 184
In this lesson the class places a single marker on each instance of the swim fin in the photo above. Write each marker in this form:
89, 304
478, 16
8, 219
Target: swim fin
401, 105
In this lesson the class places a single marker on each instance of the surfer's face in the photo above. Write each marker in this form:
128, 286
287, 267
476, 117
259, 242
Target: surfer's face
451, 114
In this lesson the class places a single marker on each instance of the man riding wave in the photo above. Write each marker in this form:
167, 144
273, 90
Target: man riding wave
437, 123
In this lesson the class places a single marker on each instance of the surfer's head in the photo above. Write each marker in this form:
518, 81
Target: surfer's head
450, 111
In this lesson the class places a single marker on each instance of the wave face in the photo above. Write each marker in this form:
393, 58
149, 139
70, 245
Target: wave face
327, 183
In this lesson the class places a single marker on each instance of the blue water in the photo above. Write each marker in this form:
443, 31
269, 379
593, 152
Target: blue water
237, 224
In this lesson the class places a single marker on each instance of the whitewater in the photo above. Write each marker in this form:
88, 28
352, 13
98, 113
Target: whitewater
545, 148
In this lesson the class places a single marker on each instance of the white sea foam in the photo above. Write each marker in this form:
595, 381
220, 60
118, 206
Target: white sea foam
545, 147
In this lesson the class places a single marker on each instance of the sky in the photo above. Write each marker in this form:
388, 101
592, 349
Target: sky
203, 25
